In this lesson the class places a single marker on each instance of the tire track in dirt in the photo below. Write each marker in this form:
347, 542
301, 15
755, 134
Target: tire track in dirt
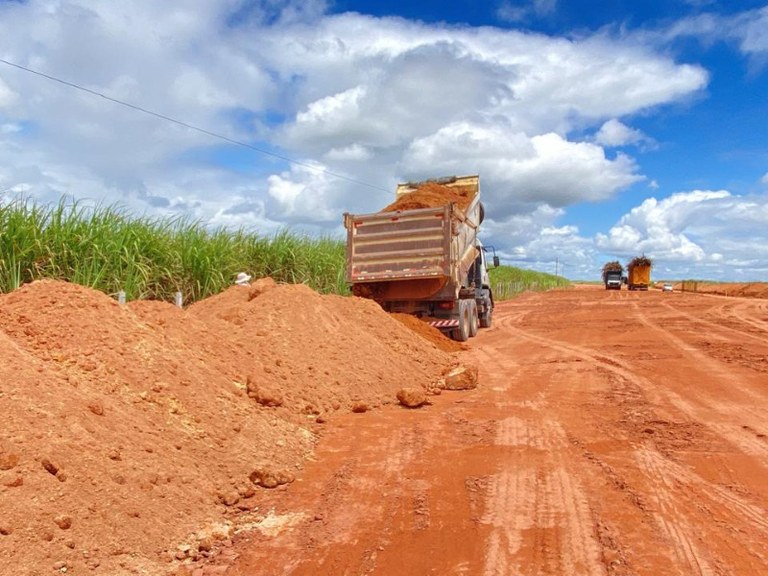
684, 503
721, 312
542, 508
709, 407
747, 312
750, 444
568, 535
511, 511
350, 517
593, 358
509, 504
731, 503
336, 517
505, 362
587, 449
678, 528
684, 535
538, 512
699, 358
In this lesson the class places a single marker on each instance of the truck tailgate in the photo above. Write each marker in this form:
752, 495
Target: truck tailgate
408, 244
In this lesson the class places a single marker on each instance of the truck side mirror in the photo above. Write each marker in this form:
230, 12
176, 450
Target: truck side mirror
496, 262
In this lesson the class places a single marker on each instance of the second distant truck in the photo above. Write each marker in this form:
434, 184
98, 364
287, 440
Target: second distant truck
639, 273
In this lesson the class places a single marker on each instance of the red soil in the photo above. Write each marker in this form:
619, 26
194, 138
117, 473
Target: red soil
612, 433
431, 195
137, 436
751, 289
430, 333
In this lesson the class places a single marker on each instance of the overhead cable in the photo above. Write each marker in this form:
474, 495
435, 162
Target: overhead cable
190, 126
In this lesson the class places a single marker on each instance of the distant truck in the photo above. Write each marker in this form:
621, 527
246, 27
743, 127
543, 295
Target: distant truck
421, 255
613, 275
639, 273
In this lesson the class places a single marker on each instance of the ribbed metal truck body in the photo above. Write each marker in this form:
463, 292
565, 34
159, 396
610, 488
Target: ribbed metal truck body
638, 277
423, 261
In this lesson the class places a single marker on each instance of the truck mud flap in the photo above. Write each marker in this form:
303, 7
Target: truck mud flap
444, 324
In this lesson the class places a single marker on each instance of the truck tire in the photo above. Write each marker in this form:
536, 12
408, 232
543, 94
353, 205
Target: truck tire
474, 321
461, 334
486, 319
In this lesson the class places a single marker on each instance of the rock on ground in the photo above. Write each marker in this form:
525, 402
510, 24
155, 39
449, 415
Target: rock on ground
412, 397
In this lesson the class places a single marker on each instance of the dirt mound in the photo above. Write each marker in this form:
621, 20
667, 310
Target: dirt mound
430, 333
745, 290
135, 435
751, 290
432, 195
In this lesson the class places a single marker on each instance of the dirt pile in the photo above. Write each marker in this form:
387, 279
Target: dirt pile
431, 195
134, 437
430, 333
745, 290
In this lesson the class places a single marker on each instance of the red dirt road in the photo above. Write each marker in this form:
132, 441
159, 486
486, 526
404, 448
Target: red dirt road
612, 433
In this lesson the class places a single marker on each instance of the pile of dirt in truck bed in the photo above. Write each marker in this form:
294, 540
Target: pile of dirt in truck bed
431, 195
136, 436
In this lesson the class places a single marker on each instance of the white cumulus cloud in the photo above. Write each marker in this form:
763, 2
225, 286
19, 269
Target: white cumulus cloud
374, 97
519, 168
614, 133
700, 233
375, 100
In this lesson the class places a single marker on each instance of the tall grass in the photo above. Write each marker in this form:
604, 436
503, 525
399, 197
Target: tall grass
509, 281
317, 262
106, 249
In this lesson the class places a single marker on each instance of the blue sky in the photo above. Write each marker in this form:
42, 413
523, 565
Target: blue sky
600, 130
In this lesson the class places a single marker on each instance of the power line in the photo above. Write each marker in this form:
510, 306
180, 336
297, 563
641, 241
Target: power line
190, 126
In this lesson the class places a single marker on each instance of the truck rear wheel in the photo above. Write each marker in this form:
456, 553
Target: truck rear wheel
473, 319
486, 319
461, 334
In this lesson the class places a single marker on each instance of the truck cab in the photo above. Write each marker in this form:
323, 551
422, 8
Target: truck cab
613, 280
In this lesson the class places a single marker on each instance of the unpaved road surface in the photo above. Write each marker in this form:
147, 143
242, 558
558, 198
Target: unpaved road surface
612, 433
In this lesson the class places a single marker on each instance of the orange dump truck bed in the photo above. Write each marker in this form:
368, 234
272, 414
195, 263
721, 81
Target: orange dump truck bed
639, 277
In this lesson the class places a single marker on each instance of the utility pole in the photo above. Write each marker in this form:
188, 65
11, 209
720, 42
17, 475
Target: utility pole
557, 262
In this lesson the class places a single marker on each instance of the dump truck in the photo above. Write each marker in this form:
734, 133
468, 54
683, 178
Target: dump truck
613, 275
421, 255
639, 273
